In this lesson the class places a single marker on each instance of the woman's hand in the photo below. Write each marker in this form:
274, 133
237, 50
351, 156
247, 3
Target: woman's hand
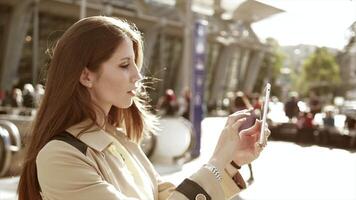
229, 141
248, 147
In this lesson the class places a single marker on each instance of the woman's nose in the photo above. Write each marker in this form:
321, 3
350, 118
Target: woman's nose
136, 76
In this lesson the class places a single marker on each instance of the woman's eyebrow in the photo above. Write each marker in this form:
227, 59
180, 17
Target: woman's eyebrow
125, 59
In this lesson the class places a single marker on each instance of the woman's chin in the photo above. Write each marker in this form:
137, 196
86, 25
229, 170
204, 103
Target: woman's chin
125, 105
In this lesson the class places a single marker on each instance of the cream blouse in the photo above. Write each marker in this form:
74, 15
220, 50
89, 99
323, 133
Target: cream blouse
132, 169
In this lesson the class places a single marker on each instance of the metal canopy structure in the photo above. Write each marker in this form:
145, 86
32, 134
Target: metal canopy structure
241, 51
251, 11
234, 51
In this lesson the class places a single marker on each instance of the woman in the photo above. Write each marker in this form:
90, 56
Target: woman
85, 138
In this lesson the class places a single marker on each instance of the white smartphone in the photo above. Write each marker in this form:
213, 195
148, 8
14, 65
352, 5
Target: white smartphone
264, 112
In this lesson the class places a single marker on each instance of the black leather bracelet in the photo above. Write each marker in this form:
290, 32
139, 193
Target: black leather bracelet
235, 165
192, 190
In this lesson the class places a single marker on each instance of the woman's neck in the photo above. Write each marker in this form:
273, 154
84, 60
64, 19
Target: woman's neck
101, 118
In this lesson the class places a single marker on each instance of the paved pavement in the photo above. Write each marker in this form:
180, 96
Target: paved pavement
284, 171
8, 188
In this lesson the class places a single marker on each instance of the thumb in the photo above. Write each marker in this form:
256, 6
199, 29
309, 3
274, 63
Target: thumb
253, 129
236, 126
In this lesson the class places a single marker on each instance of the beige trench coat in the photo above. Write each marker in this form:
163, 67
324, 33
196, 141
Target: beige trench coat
85, 170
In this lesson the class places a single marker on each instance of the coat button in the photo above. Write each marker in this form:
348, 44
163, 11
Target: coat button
200, 196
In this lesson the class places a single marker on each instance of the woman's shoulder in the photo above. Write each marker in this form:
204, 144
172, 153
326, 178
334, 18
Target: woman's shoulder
58, 149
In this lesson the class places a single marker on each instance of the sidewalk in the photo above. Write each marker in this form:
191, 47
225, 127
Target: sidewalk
286, 171
8, 187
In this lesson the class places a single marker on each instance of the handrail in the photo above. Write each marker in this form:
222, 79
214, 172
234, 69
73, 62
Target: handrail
14, 133
8, 130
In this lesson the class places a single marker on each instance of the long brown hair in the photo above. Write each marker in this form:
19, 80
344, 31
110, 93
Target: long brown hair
87, 43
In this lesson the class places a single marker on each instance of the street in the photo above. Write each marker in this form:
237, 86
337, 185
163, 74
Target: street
286, 170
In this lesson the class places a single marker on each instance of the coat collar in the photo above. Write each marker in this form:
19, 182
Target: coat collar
95, 137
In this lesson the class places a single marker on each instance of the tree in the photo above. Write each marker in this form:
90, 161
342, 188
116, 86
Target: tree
320, 72
270, 68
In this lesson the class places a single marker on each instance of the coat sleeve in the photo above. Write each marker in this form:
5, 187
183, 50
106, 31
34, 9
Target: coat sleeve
203, 183
65, 173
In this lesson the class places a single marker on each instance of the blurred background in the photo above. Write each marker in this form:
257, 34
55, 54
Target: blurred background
205, 59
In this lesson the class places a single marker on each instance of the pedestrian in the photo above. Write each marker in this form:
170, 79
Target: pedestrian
350, 123
314, 103
167, 104
305, 126
291, 107
328, 127
39, 92
28, 95
184, 103
255, 101
85, 140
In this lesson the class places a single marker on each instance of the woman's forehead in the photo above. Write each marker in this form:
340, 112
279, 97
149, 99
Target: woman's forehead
124, 50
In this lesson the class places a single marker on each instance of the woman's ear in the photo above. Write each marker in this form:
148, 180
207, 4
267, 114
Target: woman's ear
87, 78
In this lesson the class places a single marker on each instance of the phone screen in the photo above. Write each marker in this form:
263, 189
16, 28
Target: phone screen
264, 111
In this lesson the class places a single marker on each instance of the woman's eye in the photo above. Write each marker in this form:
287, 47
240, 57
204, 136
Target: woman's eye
124, 66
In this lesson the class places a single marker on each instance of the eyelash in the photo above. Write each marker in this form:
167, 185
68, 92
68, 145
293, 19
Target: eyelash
125, 66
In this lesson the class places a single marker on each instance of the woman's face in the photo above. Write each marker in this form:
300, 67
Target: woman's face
115, 82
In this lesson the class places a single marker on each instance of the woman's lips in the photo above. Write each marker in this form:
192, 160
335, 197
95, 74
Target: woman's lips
132, 93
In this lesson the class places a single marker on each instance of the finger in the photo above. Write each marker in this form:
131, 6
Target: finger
234, 117
258, 149
235, 126
255, 129
267, 133
242, 111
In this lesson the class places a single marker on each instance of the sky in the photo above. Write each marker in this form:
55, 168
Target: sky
313, 22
